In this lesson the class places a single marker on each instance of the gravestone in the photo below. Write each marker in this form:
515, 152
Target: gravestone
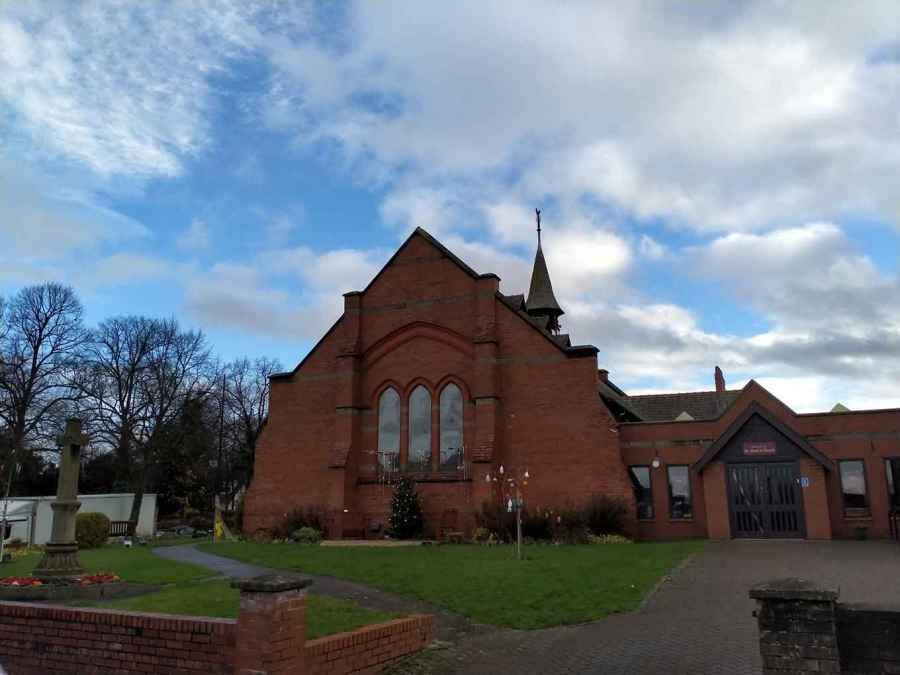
60, 557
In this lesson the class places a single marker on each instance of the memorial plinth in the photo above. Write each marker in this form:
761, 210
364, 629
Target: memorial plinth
60, 557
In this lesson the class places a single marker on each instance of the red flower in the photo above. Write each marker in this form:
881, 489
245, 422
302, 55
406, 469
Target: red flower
21, 581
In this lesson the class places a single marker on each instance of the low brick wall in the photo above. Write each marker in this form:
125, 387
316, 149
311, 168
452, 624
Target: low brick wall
803, 629
50, 640
868, 639
371, 648
268, 638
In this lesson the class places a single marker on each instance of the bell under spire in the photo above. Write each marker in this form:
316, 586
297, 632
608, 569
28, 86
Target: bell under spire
541, 301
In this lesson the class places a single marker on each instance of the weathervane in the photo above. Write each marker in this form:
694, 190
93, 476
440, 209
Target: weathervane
537, 212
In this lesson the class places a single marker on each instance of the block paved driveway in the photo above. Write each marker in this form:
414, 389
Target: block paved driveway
698, 621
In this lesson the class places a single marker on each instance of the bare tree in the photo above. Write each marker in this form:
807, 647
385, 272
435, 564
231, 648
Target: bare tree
41, 343
246, 406
178, 370
141, 373
119, 358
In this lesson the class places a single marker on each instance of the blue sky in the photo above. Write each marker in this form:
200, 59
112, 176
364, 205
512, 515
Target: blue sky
718, 186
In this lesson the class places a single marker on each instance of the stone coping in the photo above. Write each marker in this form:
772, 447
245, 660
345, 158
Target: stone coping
793, 588
272, 583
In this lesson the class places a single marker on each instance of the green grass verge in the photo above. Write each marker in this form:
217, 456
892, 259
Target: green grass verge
137, 564
324, 615
555, 585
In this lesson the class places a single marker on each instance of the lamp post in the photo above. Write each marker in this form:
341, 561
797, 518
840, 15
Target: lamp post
511, 483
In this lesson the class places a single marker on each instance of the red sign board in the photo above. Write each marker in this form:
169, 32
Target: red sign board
755, 449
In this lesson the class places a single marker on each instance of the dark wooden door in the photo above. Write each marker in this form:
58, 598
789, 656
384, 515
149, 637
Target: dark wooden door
765, 500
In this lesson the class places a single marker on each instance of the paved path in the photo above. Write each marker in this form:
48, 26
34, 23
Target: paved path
450, 627
700, 621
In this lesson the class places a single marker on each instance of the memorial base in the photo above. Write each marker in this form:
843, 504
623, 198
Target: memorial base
59, 560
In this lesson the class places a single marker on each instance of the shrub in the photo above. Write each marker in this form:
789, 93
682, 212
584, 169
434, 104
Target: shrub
306, 535
569, 527
261, 537
310, 516
536, 525
481, 535
406, 511
605, 515
201, 522
608, 539
494, 518
91, 529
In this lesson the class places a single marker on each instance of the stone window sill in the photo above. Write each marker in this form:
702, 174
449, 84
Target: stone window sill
439, 477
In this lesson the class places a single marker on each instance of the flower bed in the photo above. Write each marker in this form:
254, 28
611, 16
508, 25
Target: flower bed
84, 580
21, 581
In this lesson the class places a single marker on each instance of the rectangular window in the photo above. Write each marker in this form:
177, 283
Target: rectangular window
643, 491
892, 470
853, 487
680, 506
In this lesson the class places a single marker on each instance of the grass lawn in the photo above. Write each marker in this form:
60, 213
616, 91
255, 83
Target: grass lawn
137, 564
555, 585
189, 590
325, 616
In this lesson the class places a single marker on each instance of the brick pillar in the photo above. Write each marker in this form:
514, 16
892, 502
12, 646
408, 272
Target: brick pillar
797, 627
271, 628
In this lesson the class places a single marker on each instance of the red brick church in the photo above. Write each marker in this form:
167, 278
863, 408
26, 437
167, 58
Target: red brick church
432, 372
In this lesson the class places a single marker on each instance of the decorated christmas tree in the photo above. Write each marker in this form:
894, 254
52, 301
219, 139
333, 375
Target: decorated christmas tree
406, 512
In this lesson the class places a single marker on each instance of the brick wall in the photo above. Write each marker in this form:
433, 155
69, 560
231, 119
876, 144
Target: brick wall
48, 640
268, 638
425, 320
868, 639
371, 648
803, 629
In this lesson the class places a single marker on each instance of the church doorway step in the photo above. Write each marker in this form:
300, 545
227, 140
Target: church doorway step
765, 500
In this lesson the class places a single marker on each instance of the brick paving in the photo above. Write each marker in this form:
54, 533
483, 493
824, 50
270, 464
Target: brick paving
699, 621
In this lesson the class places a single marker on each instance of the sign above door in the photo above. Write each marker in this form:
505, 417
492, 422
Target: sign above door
759, 448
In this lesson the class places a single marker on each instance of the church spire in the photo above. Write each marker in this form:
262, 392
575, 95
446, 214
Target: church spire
541, 301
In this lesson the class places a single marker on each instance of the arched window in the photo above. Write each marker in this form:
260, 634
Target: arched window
451, 427
419, 429
389, 430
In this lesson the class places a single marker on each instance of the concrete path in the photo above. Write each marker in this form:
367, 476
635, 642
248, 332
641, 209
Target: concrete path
699, 621
450, 627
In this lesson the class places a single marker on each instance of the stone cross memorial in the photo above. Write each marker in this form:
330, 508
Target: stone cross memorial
60, 557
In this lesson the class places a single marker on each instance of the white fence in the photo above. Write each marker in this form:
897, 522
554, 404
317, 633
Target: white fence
31, 518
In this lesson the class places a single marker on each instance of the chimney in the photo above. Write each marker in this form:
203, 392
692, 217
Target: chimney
720, 380
604, 374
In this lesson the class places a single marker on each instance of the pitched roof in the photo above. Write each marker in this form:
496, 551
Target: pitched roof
540, 293
756, 408
516, 303
700, 405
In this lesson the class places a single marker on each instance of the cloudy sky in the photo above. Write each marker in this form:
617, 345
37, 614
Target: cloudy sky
719, 181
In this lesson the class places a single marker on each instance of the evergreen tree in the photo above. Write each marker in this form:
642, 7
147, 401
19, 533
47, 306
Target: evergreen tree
406, 512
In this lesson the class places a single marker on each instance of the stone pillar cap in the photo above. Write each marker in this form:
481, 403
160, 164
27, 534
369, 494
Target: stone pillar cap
793, 588
272, 583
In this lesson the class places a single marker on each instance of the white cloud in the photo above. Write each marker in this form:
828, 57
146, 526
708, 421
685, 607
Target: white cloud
717, 120
121, 269
122, 89
196, 237
651, 249
40, 222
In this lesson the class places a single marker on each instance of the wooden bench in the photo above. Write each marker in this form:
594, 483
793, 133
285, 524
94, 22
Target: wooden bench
121, 528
